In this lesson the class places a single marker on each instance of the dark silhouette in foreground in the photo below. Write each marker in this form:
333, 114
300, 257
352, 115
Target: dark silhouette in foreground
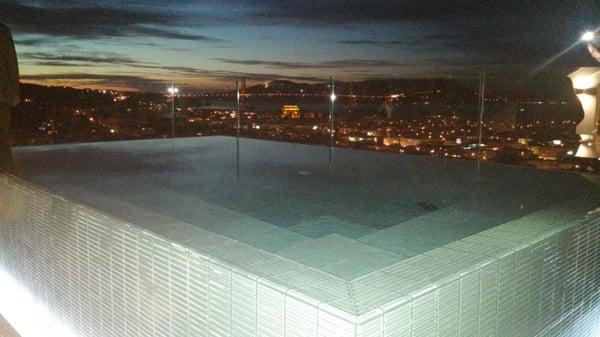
9, 95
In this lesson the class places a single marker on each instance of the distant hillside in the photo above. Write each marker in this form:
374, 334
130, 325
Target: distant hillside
69, 97
436, 89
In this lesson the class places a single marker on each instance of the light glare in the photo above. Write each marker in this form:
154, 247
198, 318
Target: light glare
587, 36
27, 315
584, 82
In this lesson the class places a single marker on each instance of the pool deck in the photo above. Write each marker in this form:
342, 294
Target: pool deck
6, 330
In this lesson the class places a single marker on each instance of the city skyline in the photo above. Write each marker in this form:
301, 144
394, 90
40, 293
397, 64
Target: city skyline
143, 45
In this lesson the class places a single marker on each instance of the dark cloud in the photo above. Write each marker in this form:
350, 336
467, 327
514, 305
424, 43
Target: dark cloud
80, 21
320, 65
361, 63
411, 41
170, 34
87, 59
62, 64
353, 12
272, 64
504, 31
31, 42
373, 42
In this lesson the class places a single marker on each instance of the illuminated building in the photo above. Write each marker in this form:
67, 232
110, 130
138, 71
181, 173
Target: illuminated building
290, 111
402, 141
549, 152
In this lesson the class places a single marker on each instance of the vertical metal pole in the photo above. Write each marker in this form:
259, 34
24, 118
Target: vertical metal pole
239, 122
173, 110
331, 124
480, 123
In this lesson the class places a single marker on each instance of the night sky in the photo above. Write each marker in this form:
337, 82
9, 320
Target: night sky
144, 44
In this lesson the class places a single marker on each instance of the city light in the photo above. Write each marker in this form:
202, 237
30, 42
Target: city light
450, 134
588, 36
172, 90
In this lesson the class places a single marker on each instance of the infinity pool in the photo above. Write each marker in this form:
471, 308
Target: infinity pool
161, 238
369, 210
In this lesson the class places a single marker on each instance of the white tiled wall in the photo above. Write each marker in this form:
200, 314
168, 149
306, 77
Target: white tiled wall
98, 276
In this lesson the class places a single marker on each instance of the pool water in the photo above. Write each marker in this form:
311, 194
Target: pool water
368, 211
